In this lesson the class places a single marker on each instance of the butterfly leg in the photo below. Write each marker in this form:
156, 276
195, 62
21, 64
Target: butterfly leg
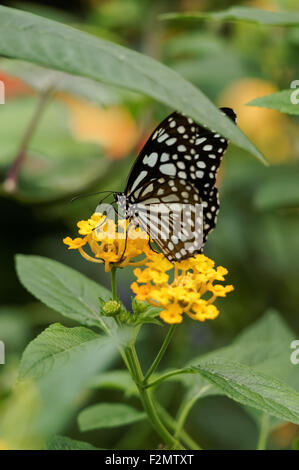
126, 242
105, 219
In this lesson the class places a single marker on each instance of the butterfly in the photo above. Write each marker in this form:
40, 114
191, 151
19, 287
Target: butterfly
176, 168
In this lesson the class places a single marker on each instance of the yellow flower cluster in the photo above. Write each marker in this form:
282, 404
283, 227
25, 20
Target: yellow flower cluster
181, 287
110, 243
191, 291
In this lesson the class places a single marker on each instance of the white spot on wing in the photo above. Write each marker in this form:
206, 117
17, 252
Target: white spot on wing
139, 179
171, 141
208, 147
163, 137
164, 157
200, 141
168, 169
151, 160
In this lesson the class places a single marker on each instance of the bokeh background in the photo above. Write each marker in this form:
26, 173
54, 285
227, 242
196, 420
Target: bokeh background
87, 138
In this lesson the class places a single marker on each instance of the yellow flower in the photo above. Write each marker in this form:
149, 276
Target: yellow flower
218, 290
76, 243
111, 244
191, 292
173, 314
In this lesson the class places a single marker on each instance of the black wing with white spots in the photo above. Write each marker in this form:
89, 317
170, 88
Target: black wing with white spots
179, 150
170, 211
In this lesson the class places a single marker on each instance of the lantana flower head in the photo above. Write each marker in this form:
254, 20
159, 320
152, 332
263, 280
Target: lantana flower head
109, 243
187, 287
192, 290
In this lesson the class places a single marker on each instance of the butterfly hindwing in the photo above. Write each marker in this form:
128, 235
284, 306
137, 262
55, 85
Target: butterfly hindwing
170, 211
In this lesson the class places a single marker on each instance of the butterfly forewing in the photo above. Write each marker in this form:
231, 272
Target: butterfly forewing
179, 157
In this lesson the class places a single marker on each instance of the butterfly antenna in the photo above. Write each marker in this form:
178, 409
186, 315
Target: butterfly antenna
126, 242
80, 196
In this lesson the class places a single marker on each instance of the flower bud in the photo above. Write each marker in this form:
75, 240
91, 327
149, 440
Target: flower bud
139, 306
111, 308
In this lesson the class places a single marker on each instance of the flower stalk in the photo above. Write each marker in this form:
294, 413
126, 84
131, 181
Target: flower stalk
146, 397
160, 354
264, 431
113, 283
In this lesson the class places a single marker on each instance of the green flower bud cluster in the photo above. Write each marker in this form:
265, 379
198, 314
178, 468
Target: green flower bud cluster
142, 312
111, 308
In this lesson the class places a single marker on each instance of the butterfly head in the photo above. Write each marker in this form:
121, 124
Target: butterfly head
126, 207
121, 200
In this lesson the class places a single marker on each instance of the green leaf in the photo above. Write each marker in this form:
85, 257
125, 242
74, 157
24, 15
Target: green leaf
241, 14
115, 380
250, 387
258, 347
41, 79
63, 289
108, 415
66, 443
54, 347
64, 48
280, 190
39, 408
281, 101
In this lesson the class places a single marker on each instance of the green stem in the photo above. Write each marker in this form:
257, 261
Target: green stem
171, 423
186, 410
264, 430
160, 353
11, 180
167, 375
132, 362
148, 400
113, 283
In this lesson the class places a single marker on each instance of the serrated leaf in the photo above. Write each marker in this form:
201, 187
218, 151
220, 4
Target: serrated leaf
240, 14
258, 346
63, 289
66, 49
264, 346
285, 101
66, 443
55, 347
251, 387
108, 415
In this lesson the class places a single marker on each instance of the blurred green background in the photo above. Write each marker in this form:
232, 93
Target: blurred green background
86, 139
